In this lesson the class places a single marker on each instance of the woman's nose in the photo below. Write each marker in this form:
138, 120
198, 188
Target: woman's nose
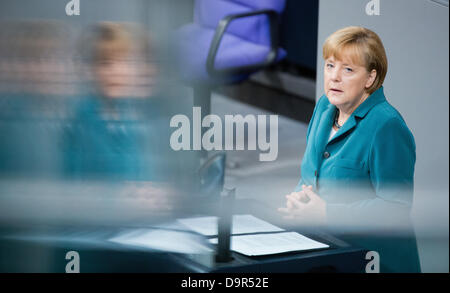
335, 75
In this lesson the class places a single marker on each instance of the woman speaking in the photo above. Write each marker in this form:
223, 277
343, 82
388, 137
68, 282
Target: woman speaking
358, 168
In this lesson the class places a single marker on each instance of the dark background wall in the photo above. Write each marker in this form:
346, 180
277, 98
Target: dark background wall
299, 28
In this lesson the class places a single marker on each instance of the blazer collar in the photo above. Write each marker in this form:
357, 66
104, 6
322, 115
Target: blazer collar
375, 98
360, 112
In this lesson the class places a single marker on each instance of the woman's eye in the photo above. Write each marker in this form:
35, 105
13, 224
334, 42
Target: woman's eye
329, 65
348, 69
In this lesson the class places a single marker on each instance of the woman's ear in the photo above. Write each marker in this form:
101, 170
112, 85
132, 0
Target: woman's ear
371, 79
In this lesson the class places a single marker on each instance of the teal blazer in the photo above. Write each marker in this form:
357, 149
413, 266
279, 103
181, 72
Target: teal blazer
124, 146
366, 172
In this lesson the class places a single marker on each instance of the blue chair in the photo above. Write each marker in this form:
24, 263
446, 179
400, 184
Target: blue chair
228, 41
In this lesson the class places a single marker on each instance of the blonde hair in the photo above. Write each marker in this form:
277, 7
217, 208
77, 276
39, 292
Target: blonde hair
363, 46
108, 40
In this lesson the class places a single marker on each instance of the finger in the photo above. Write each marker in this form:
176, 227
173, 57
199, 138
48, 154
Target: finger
288, 214
288, 217
311, 194
302, 197
297, 195
291, 194
296, 203
289, 204
283, 210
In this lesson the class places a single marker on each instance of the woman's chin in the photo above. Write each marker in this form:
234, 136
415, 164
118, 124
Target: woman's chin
335, 99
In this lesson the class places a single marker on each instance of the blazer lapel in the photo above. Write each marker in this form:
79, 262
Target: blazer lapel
324, 128
374, 99
348, 125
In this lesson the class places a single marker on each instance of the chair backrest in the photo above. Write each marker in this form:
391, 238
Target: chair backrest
208, 13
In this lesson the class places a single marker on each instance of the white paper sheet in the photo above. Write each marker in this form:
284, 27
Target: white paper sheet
242, 224
164, 240
272, 243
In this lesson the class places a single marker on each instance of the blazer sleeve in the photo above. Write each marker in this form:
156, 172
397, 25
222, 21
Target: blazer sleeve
311, 122
391, 162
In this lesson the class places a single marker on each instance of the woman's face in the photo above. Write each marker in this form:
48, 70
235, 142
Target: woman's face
122, 77
345, 82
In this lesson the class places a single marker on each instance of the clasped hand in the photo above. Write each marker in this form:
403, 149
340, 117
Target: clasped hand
305, 207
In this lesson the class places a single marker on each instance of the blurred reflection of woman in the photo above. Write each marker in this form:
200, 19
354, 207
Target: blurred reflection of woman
119, 130
112, 125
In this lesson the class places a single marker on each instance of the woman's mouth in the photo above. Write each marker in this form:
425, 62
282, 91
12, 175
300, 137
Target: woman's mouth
336, 90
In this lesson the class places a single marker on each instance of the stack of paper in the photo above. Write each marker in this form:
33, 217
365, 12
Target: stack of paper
272, 243
273, 240
242, 224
